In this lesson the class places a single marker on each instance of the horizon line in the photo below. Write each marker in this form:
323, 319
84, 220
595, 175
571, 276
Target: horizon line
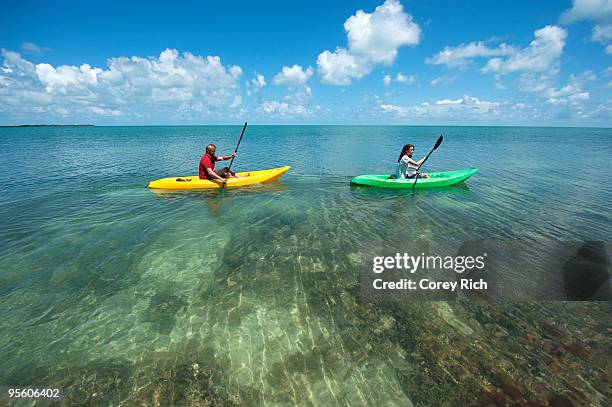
306, 124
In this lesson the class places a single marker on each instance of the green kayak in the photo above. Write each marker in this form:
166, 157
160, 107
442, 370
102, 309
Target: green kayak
436, 179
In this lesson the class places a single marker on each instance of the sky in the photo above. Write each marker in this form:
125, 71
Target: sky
414, 62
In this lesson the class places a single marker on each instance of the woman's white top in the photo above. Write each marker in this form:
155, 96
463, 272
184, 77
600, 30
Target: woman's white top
403, 169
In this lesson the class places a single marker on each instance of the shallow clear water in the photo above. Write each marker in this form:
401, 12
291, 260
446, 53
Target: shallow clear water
251, 296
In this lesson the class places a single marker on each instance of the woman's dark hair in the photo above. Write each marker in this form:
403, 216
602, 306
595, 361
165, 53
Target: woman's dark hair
405, 152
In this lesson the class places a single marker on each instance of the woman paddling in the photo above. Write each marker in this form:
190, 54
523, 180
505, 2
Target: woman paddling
405, 164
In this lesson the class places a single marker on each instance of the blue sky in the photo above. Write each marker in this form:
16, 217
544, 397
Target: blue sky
360, 62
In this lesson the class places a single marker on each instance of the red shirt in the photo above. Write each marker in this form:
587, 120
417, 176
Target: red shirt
207, 161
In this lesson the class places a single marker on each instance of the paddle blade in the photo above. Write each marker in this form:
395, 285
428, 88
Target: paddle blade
438, 142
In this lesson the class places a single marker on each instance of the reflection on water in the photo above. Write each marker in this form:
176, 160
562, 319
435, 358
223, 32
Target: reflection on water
214, 198
374, 194
123, 296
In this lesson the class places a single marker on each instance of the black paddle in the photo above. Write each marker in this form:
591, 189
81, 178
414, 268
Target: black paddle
426, 157
235, 151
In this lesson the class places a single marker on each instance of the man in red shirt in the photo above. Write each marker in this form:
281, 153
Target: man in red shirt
207, 165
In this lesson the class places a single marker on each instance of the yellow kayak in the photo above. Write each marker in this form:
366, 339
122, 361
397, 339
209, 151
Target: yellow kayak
194, 182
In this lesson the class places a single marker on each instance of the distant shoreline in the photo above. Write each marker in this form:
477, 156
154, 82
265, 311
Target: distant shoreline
50, 125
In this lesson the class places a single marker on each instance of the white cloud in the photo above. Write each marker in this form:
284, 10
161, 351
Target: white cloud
378, 35
172, 82
463, 54
602, 34
408, 80
283, 109
32, 48
585, 76
449, 102
572, 98
66, 78
299, 94
294, 75
467, 107
401, 78
443, 80
537, 82
256, 83
259, 81
173, 77
578, 97
296, 102
337, 68
373, 39
597, 10
17, 72
236, 102
104, 112
570, 94
472, 102
542, 53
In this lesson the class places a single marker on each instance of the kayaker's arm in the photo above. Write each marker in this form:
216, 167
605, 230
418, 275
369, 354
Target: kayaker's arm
415, 163
226, 157
213, 174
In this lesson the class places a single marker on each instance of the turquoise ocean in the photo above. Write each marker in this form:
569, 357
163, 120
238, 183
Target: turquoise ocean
123, 296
